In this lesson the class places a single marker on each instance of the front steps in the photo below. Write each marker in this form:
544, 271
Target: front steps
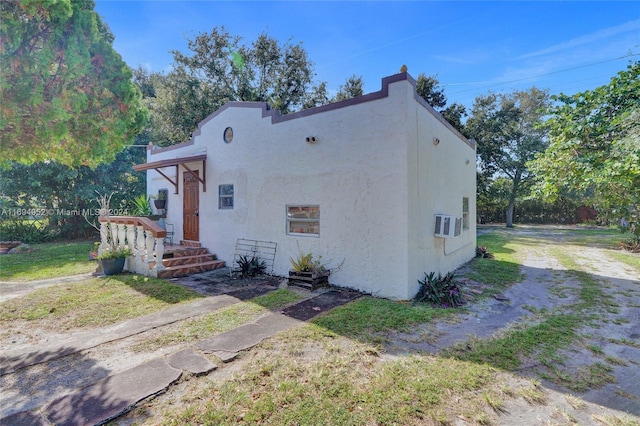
187, 258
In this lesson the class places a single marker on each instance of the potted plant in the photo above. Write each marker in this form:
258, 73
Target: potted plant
309, 272
110, 255
141, 206
160, 200
112, 259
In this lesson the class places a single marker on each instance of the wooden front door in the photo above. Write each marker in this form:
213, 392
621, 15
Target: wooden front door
191, 207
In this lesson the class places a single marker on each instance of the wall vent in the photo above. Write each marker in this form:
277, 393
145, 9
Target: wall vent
448, 226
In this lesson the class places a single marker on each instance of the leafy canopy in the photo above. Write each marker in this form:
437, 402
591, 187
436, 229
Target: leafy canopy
507, 130
429, 89
219, 69
66, 95
594, 153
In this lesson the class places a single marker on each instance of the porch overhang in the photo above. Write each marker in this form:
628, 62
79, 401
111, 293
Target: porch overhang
177, 162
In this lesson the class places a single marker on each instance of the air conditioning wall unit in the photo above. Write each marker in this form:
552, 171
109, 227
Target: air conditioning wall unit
448, 226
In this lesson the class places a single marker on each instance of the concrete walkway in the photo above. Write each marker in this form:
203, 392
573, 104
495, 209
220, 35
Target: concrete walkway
12, 289
114, 395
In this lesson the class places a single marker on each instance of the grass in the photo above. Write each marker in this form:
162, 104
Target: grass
627, 258
600, 237
334, 369
222, 320
547, 332
48, 260
504, 269
507, 351
347, 385
366, 318
94, 302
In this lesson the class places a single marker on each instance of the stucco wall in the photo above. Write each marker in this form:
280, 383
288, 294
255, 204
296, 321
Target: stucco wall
441, 171
362, 172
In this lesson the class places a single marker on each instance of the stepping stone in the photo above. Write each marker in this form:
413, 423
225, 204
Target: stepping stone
112, 396
188, 360
313, 307
225, 356
248, 335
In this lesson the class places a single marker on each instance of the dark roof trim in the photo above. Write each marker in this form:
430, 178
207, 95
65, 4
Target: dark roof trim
276, 117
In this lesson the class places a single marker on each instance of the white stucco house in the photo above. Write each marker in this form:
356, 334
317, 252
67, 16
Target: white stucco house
360, 181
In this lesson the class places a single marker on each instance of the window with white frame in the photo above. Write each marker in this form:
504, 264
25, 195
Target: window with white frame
225, 197
303, 220
465, 212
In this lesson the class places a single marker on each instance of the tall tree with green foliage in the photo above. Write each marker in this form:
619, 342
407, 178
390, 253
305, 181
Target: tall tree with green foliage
506, 128
352, 88
63, 193
429, 89
594, 150
65, 94
219, 69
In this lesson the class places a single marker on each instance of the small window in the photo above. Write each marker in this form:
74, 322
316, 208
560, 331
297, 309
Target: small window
465, 212
225, 197
303, 220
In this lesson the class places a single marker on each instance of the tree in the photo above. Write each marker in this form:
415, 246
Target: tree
62, 193
506, 130
429, 89
594, 150
66, 95
352, 88
220, 69
317, 96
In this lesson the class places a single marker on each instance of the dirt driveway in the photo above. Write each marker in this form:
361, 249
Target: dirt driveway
548, 284
613, 340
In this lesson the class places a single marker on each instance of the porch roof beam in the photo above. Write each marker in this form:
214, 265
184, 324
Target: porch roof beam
157, 165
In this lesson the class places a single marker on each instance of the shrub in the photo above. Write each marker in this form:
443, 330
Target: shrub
631, 244
482, 251
141, 206
251, 267
26, 231
442, 291
306, 263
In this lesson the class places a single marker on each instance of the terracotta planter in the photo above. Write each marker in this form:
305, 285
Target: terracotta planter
113, 266
310, 280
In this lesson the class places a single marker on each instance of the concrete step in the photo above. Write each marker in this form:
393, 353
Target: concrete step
187, 260
190, 243
193, 268
181, 251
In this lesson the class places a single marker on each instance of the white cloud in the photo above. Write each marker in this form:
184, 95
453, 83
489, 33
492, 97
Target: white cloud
631, 26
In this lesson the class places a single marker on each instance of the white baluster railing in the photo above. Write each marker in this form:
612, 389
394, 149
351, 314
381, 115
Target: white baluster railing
141, 235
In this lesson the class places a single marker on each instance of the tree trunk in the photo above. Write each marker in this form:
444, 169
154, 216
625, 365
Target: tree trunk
512, 200
509, 213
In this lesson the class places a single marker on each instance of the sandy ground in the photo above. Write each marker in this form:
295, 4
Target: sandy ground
546, 285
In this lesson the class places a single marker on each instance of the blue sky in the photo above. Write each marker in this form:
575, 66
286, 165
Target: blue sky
473, 47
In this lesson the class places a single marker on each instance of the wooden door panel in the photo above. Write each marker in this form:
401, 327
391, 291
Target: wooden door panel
191, 207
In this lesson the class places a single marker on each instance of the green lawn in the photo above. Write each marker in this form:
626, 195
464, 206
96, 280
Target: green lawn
48, 260
94, 302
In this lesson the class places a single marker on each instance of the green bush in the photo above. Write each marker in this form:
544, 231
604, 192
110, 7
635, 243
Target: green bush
631, 244
251, 267
26, 231
442, 291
